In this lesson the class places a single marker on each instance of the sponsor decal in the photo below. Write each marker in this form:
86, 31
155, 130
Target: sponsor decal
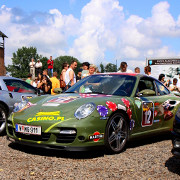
121, 107
102, 110
127, 104
26, 97
46, 116
157, 120
83, 95
51, 104
138, 103
148, 114
132, 124
111, 105
28, 105
63, 99
96, 136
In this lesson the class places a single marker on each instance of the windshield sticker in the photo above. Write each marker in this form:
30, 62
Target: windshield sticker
46, 116
111, 105
96, 136
148, 114
102, 110
63, 100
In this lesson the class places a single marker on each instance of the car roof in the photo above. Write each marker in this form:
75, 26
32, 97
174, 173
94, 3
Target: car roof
8, 77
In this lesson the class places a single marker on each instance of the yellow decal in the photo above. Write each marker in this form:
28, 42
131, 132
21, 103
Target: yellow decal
46, 116
48, 129
55, 113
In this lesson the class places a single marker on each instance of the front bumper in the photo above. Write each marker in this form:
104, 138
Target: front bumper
65, 148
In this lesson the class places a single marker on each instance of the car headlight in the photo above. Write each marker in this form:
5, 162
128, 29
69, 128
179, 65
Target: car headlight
20, 106
84, 110
178, 113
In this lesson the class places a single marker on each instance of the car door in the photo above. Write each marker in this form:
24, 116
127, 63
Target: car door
149, 106
18, 90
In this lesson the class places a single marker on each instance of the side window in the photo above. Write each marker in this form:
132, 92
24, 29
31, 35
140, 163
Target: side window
145, 83
161, 89
19, 86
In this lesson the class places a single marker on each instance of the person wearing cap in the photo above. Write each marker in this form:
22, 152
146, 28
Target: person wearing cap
38, 66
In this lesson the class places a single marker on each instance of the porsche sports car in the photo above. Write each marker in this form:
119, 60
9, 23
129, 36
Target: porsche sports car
12, 90
176, 135
102, 110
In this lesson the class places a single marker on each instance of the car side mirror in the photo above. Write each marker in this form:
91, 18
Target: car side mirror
146, 92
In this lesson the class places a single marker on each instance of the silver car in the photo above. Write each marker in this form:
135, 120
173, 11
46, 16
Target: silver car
13, 90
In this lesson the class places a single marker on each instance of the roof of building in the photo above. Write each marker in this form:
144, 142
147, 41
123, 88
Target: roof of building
2, 34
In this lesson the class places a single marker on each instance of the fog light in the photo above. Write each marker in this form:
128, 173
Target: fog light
81, 138
67, 132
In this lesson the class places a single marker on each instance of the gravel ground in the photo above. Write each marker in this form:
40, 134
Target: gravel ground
144, 159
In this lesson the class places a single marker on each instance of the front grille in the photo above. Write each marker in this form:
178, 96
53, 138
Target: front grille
65, 138
42, 137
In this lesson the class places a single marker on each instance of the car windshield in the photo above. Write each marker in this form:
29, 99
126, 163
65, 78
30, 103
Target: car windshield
109, 84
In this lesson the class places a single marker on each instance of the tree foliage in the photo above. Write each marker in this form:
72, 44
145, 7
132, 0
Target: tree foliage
21, 60
102, 68
110, 67
58, 62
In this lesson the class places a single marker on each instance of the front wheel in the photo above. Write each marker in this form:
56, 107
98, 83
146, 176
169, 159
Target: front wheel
116, 133
3, 117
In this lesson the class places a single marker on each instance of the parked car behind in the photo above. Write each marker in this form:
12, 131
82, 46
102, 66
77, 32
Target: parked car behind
12, 90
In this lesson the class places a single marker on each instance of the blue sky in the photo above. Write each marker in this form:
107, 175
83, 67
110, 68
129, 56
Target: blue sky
93, 30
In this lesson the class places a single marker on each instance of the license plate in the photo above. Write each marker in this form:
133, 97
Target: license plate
25, 129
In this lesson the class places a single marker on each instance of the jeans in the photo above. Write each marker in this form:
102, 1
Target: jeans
50, 71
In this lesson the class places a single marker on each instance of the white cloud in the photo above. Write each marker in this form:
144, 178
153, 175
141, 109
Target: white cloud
101, 28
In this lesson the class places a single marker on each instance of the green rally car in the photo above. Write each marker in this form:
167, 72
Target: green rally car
102, 110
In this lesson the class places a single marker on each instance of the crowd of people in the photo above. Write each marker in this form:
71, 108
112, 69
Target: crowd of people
68, 77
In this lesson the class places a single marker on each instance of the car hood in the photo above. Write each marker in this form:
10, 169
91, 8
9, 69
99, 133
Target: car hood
62, 107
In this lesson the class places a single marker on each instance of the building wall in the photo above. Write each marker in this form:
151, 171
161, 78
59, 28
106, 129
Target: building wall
2, 67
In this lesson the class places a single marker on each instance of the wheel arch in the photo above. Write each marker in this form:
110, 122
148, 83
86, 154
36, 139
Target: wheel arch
5, 107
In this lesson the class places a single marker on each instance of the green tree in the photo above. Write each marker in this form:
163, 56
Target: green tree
58, 62
102, 68
110, 67
21, 60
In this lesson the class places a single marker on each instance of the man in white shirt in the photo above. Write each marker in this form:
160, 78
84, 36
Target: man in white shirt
38, 66
123, 68
32, 68
70, 77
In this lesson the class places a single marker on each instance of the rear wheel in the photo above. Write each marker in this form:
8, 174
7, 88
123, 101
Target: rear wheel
3, 117
116, 133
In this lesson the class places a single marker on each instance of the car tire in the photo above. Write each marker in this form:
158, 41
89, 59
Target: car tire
3, 118
116, 134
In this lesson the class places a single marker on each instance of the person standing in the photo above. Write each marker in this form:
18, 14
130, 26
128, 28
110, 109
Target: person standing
147, 70
137, 70
38, 66
85, 66
65, 67
70, 77
50, 63
123, 68
55, 83
32, 68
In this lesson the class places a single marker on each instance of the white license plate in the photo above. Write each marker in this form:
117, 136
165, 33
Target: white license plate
35, 130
